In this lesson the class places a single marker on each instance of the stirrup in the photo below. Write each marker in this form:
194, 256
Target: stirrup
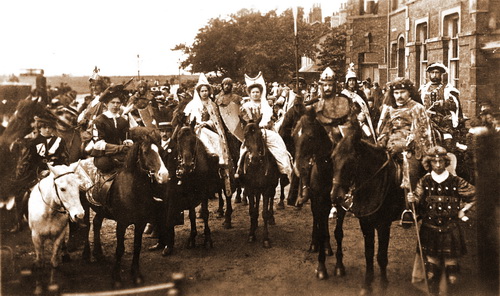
407, 219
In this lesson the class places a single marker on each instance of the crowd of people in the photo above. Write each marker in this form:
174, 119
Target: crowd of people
426, 125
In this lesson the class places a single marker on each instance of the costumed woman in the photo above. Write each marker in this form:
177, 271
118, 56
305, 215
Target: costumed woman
258, 110
210, 129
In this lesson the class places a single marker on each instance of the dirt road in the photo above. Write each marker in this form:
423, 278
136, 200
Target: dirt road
235, 267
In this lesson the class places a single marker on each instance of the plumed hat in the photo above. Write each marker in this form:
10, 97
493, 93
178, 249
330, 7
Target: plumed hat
202, 80
442, 68
327, 76
351, 73
95, 75
114, 91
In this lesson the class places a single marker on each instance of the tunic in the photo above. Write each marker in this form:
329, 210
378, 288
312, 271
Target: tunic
439, 204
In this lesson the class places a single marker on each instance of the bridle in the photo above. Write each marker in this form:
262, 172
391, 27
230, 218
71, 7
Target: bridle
150, 173
61, 204
180, 171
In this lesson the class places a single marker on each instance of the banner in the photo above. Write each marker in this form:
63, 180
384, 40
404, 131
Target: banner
295, 11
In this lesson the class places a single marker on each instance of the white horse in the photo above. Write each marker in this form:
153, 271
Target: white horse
52, 200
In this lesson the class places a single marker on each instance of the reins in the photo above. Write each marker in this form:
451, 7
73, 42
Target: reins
65, 210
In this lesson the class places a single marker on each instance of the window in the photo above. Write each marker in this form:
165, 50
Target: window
394, 55
421, 38
401, 57
451, 30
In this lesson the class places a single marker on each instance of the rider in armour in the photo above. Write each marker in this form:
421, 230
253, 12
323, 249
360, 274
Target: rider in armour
439, 195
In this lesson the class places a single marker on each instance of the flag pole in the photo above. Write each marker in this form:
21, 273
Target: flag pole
295, 31
138, 68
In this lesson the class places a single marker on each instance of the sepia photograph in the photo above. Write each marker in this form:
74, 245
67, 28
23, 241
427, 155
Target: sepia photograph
260, 147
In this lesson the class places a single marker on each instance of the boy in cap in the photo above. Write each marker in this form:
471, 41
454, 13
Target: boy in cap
439, 196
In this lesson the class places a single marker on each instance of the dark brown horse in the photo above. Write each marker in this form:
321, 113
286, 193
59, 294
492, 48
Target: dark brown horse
195, 180
314, 167
130, 201
261, 177
368, 173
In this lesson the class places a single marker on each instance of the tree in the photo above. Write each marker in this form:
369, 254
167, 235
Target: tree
333, 50
249, 42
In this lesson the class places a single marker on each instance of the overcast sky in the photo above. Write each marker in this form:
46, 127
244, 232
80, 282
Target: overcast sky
73, 36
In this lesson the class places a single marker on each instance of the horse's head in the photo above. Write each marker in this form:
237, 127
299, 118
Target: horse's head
254, 140
187, 148
345, 158
148, 154
311, 143
67, 190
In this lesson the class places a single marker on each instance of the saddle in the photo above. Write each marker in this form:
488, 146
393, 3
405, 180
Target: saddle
100, 191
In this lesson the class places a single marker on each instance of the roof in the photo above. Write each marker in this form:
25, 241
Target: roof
312, 68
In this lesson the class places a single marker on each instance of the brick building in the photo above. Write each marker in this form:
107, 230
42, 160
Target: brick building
399, 38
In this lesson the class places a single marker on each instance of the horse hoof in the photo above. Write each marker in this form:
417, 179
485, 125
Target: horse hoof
339, 271
267, 244
252, 238
321, 275
167, 251
281, 205
220, 214
384, 283
328, 251
38, 290
272, 221
227, 225
313, 248
138, 280
117, 285
365, 292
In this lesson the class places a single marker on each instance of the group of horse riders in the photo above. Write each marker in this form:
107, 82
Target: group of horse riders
410, 122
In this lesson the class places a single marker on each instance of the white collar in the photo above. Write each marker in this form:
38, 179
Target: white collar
440, 178
111, 115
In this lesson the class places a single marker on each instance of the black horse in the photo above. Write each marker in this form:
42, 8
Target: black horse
195, 180
130, 201
369, 174
261, 175
314, 167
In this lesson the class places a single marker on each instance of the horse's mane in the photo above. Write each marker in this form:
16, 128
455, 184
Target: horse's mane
132, 157
20, 124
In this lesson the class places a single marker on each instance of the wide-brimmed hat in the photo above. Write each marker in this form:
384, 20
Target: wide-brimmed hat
45, 119
442, 68
114, 91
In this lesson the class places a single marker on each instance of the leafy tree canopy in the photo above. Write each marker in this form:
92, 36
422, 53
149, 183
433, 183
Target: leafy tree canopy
332, 53
248, 42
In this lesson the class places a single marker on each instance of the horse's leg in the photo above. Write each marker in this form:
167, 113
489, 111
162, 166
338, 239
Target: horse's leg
170, 241
208, 243
97, 224
86, 232
191, 243
229, 212
384, 233
237, 199
369, 235
244, 197
281, 203
339, 236
328, 246
137, 278
266, 215
220, 210
120, 249
253, 211
270, 203
39, 262
313, 247
321, 234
